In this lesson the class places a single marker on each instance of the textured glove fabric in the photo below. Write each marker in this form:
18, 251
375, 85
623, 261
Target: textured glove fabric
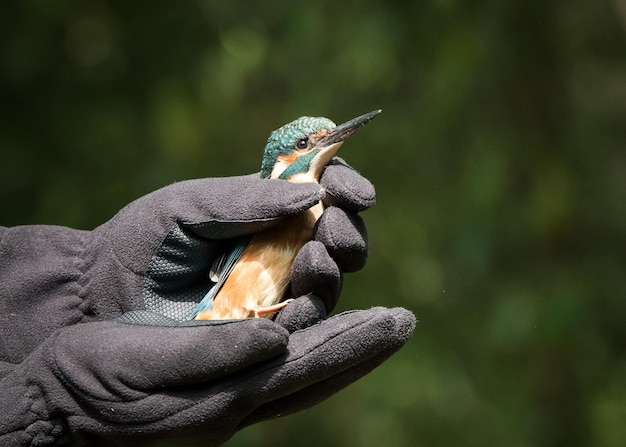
156, 252
198, 383
176, 276
94, 349
41, 277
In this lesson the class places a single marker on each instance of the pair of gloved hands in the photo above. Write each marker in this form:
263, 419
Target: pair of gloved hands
134, 371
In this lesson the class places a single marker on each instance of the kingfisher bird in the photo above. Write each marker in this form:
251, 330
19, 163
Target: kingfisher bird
252, 277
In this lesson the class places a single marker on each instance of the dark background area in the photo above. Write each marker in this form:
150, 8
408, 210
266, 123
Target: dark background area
499, 162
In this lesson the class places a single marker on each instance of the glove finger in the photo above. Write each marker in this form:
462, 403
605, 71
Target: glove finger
301, 313
211, 206
314, 271
346, 188
233, 206
126, 359
327, 357
322, 358
320, 391
345, 237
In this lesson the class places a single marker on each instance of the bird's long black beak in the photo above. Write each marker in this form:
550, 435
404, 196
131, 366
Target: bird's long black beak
343, 131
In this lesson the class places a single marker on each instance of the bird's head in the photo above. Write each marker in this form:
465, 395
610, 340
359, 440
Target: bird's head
299, 150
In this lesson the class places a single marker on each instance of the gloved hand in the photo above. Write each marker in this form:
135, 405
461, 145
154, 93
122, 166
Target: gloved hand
110, 383
160, 377
155, 253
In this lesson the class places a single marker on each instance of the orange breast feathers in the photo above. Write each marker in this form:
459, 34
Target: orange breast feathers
259, 279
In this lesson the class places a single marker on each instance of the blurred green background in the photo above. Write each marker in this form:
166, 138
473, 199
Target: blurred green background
499, 163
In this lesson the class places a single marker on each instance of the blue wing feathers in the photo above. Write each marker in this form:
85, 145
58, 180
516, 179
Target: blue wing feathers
220, 271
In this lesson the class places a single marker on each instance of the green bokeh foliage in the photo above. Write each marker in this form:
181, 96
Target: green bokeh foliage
499, 163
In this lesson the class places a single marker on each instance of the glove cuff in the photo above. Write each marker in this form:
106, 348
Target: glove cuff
41, 276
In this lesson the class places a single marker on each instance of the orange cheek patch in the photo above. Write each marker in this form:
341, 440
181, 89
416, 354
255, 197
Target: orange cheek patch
288, 159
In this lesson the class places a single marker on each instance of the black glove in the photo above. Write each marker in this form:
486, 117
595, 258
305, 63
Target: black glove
201, 381
156, 252
108, 382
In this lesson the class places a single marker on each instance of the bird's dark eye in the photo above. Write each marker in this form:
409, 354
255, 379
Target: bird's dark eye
302, 143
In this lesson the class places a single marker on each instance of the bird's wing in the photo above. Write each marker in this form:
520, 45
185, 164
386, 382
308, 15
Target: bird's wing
220, 270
